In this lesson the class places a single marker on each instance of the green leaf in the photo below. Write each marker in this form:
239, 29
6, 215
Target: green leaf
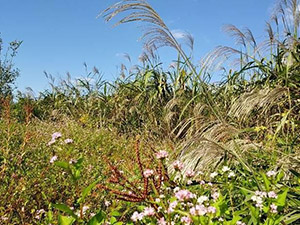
65, 208
97, 219
65, 220
78, 163
282, 197
62, 164
88, 190
113, 220
266, 181
292, 218
254, 213
115, 213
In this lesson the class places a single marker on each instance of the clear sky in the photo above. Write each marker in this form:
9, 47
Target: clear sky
60, 35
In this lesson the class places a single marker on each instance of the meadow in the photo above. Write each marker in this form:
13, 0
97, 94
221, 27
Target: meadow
160, 146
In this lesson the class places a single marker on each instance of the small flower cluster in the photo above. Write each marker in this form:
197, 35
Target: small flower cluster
148, 211
84, 209
39, 213
259, 196
162, 154
57, 135
225, 171
182, 200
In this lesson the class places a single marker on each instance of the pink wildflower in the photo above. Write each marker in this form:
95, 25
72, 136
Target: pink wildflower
186, 220
215, 195
172, 206
198, 210
162, 154
137, 216
68, 141
211, 209
56, 135
51, 142
189, 173
202, 182
183, 195
162, 221
261, 194
178, 165
272, 194
273, 208
148, 173
149, 211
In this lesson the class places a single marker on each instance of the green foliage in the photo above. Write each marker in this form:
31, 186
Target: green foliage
8, 73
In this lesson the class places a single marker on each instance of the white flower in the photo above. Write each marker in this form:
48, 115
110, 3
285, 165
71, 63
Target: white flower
261, 194
198, 210
231, 174
214, 174
68, 141
53, 159
149, 211
240, 223
215, 195
137, 216
257, 199
186, 220
56, 135
225, 169
176, 189
273, 208
272, 194
107, 203
161, 221
172, 206
4, 218
202, 199
51, 142
211, 209
39, 213
72, 161
271, 173
84, 209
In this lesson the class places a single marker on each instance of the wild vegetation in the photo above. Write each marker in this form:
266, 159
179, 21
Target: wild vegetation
160, 146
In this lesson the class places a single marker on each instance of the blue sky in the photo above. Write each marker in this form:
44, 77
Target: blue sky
60, 35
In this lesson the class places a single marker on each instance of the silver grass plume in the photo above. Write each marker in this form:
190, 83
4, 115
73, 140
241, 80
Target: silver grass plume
157, 33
